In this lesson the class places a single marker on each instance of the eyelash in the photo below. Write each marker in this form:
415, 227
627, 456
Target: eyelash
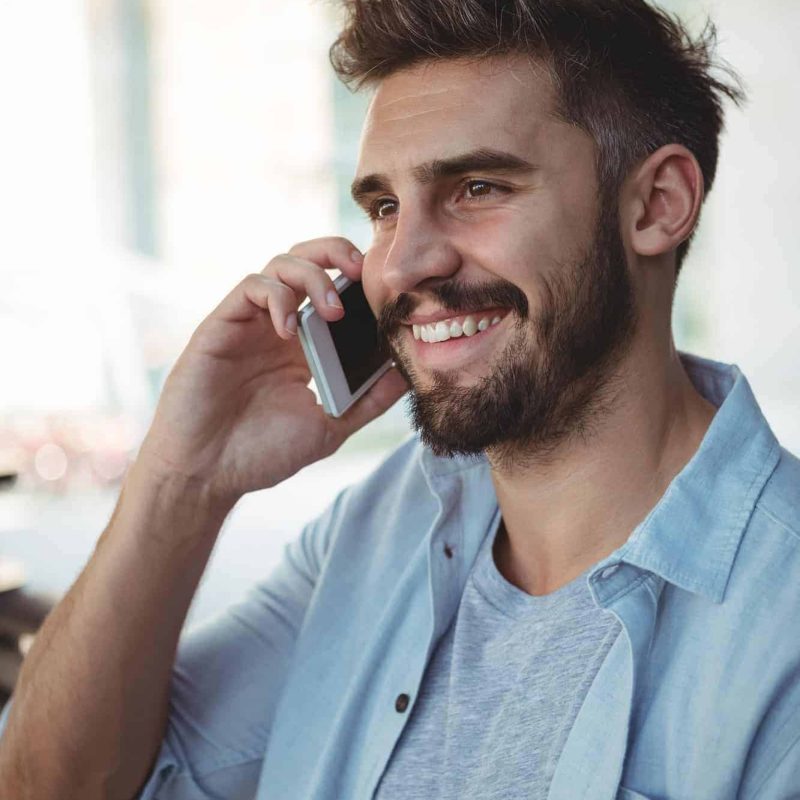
372, 211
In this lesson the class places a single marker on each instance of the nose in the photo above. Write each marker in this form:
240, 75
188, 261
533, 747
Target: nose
420, 252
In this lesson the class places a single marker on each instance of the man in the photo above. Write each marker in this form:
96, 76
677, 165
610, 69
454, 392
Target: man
579, 583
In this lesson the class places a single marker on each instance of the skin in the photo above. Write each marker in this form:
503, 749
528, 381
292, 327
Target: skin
564, 512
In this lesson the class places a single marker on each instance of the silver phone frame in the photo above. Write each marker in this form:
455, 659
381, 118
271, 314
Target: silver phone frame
323, 360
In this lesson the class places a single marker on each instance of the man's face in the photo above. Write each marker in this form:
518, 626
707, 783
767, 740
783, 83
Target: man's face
497, 274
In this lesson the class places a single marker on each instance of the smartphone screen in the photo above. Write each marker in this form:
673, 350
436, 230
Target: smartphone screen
356, 340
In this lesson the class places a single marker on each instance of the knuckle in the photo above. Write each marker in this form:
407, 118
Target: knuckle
321, 278
298, 248
308, 273
273, 264
271, 284
278, 286
339, 244
329, 242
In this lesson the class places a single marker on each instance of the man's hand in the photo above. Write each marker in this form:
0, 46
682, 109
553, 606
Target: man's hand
236, 413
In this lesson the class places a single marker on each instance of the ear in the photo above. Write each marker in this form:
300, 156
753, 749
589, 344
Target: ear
664, 200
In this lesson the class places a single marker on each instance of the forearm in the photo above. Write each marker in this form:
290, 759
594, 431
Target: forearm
89, 710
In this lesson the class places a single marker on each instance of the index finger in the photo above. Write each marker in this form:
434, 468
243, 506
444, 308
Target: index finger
332, 252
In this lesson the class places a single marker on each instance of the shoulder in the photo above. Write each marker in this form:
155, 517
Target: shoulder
399, 475
780, 501
768, 591
770, 548
395, 492
767, 566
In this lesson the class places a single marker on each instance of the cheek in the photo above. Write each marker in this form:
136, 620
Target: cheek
522, 250
511, 248
542, 238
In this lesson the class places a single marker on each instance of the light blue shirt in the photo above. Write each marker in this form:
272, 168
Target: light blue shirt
296, 693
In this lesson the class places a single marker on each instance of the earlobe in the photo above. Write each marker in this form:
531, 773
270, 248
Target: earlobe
668, 195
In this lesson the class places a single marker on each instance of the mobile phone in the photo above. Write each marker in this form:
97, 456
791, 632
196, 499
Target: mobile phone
345, 357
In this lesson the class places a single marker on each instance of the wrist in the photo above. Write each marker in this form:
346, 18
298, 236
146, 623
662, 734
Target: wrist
164, 488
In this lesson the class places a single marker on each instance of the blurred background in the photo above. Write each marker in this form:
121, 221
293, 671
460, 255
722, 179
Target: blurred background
152, 153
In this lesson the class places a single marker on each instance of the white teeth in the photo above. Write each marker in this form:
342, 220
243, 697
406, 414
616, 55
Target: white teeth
442, 332
452, 328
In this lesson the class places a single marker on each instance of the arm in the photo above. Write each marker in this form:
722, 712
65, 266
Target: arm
228, 679
236, 415
90, 707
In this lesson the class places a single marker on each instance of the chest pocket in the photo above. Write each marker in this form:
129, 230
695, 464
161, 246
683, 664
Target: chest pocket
629, 794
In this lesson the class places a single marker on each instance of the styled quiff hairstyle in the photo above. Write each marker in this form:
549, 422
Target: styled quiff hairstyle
628, 74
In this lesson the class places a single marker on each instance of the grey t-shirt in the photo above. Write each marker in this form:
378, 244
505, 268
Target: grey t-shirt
501, 691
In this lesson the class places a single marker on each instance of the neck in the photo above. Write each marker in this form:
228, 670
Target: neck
569, 509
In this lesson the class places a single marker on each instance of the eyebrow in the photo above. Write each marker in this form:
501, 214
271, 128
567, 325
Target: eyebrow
481, 160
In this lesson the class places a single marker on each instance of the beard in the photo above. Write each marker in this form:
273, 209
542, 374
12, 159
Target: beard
553, 379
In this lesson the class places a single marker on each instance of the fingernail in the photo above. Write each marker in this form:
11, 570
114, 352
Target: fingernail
333, 299
291, 324
356, 256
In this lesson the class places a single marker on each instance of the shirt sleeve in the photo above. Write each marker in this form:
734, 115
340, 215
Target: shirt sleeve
783, 782
227, 679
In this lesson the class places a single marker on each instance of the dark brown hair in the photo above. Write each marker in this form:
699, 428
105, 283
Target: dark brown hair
627, 73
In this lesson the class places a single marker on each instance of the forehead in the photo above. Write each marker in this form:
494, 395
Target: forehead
435, 109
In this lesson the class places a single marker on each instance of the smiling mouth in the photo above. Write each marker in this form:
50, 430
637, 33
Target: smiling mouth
467, 325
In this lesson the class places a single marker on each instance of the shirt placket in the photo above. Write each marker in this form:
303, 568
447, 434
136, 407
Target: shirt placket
593, 758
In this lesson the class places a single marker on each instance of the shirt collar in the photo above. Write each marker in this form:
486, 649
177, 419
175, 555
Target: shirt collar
692, 535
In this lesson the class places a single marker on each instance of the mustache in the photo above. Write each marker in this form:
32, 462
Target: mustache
464, 298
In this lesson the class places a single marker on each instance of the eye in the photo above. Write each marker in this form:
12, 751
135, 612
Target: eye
479, 188
381, 208
476, 188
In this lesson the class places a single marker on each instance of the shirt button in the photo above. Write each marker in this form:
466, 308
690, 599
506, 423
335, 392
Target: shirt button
401, 704
448, 551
